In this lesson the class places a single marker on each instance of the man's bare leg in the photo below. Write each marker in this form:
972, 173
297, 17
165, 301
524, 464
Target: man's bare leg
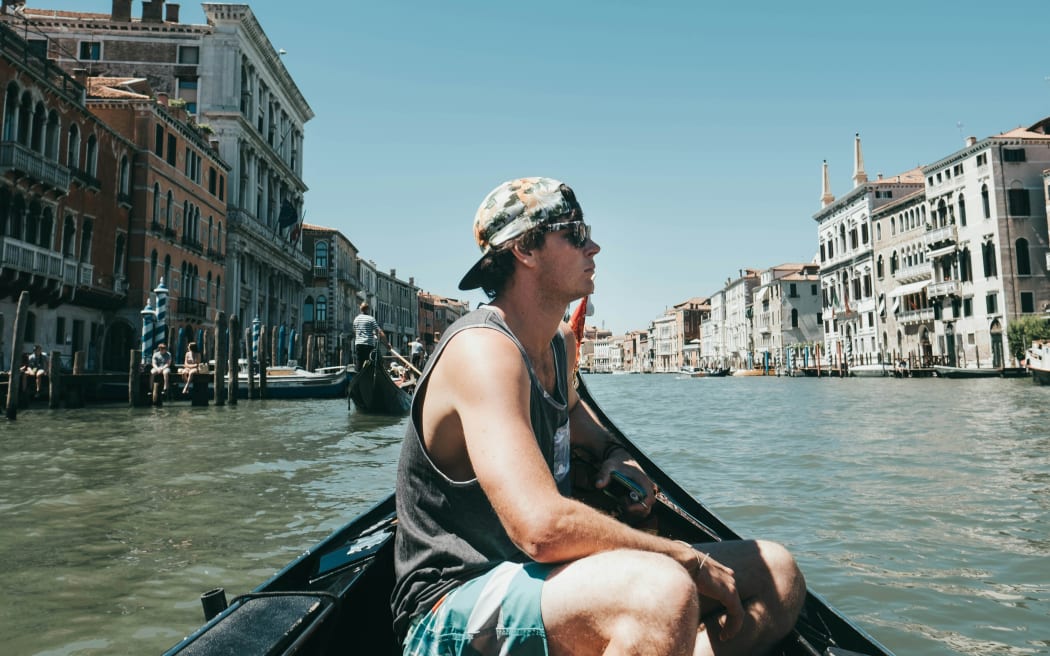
641, 603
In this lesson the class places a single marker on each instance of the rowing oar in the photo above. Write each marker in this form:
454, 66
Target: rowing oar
401, 358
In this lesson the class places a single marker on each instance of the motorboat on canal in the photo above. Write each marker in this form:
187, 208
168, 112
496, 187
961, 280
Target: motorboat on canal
334, 599
870, 370
292, 382
944, 371
1039, 362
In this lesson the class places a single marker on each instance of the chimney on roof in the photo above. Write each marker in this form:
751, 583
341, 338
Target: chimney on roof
859, 176
80, 75
971, 141
121, 11
878, 176
171, 13
152, 10
162, 98
393, 273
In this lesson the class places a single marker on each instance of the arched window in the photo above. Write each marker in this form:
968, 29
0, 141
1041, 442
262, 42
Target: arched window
880, 268
156, 203
322, 309
52, 137
25, 119
321, 255
36, 139
211, 229
1024, 265
11, 113
308, 309
169, 210
91, 156
167, 270
118, 255
988, 255
985, 203
187, 218
73, 147
153, 269
69, 233
218, 287
962, 210
33, 222
794, 318
965, 265
125, 176
85, 241
893, 262
47, 228
184, 280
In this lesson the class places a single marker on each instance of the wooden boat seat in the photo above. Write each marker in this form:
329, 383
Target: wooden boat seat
267, 624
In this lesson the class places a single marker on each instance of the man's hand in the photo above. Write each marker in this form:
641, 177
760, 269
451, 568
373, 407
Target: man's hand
619, 460
716, 581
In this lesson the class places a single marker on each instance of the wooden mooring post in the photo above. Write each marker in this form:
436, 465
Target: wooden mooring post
14, 381
262, 363
251, 362
221, 357
74, 392
235, 349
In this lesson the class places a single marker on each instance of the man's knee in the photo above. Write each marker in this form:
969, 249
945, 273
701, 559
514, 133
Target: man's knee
789, 585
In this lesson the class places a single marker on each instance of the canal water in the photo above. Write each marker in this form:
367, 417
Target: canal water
920, 508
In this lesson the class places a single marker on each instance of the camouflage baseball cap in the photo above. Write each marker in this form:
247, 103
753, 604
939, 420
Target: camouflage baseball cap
515, 207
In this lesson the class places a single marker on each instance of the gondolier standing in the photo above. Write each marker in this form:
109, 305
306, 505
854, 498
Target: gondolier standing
492, 555
366, 335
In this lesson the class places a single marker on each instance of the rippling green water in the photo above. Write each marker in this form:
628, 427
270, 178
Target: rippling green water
917, 507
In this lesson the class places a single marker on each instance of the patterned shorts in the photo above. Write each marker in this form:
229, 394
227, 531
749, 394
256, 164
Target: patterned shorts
496, 614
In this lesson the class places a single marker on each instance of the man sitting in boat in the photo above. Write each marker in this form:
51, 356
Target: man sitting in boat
492, 554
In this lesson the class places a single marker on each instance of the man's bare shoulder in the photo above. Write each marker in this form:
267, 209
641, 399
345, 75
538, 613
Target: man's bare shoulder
478, 356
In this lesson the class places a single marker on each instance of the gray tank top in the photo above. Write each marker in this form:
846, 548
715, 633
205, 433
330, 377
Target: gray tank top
448, 532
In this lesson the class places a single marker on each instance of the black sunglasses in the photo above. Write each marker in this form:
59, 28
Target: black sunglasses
578, 232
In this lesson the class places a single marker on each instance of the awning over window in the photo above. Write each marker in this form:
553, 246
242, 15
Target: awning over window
910, 288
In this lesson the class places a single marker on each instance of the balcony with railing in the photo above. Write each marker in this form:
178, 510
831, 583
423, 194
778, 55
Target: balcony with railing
244, 222
914, 272
944, 288
15, 157
191, 308
922, 315
320, 272
942, 236
21, 256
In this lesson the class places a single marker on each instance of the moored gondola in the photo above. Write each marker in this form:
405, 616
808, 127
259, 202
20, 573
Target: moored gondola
372, 391
334, 599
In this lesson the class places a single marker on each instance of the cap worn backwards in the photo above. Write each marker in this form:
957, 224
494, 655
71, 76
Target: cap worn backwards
515, 207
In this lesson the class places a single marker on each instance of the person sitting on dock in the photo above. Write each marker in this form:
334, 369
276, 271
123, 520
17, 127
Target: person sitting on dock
190, 365
36, 367
492, 554
367, 333
161, 362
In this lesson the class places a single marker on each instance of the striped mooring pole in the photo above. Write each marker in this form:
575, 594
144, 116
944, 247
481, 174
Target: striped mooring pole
256, 330
149, 317
160, 331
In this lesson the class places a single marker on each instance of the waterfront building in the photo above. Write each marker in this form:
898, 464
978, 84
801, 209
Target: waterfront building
903, 271
987, 239
436, 314
712, 333
333, 294
689, 316
847, 260
636, 352
230, 78
786, 310
663, 342
396, 308
602, 360
177, 208
616, 355
738, 324
65, 201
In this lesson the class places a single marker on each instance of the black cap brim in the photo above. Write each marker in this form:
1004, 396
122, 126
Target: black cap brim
473, 278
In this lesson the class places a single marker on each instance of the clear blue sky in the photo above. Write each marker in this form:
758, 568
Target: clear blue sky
693, 134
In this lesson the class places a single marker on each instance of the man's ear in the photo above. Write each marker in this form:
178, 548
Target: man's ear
523, 254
